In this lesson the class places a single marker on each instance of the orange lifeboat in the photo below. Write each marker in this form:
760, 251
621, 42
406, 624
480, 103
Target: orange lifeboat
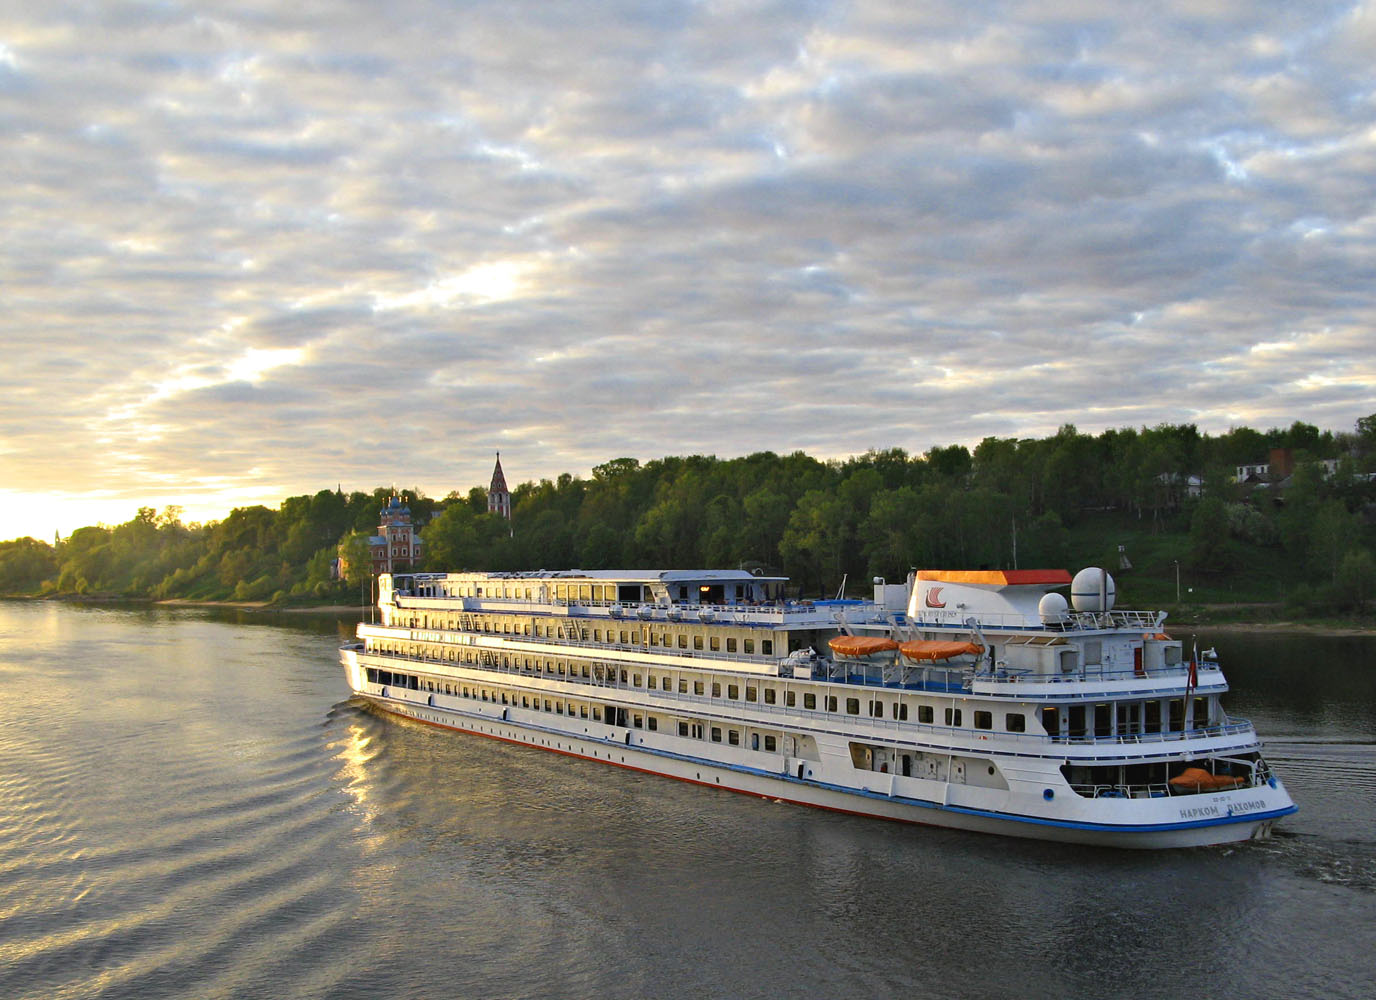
860, 645
1199, 780
931, 650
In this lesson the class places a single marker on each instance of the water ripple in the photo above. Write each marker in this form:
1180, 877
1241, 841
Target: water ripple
193, 808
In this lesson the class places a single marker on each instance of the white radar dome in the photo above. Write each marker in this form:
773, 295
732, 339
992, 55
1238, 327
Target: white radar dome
1092, 590
1052, 608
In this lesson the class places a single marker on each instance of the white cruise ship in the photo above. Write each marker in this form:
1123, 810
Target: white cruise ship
976, 700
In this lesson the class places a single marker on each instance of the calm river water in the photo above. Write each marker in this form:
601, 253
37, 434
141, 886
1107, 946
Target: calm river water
192, 806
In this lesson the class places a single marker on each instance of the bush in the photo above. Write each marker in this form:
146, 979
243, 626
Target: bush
258, 590
1301, 600
1356, 579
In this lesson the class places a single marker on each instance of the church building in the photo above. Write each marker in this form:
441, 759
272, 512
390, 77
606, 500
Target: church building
396, 546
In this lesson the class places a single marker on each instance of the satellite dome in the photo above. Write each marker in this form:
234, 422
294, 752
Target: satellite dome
1052, 608
1085, 590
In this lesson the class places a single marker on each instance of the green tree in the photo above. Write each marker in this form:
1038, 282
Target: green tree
1330, 538
25, 564
450, 541
1043, 543
888, 535
1240, 446
721, 546
1302, 501
357, 554
953, 461
1355, 582
614, 469
997, 465
548, 539
766, 514
814, 541
1069, 475
86, 558
600, 548
1304, 437
1209, 551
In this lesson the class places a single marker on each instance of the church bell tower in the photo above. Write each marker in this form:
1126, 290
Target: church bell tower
498, 496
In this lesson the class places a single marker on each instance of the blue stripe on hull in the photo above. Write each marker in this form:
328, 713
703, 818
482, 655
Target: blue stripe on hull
1067, 824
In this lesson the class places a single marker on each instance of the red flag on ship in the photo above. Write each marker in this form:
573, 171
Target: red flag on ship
1192, 681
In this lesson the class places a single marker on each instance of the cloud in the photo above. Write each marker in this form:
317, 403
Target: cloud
255, 247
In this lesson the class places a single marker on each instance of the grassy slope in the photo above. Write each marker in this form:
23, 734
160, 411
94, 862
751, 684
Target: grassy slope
1254, 589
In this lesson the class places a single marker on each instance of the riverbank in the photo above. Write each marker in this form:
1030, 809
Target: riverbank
1245, 617
1211, 617
306, 609
1308, 628
182, 602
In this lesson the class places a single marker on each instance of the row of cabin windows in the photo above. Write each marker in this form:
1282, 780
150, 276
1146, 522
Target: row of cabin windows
768, 742
666, 640
556, 706
607, 593
1130, 718
623, 637
693, 730
562, 668
583, 593
580, 593
1013, 722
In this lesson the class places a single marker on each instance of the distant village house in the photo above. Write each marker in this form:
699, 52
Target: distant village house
1280, 468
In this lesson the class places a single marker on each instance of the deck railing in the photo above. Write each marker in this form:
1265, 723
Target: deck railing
609, 677
1255, 773
1231, 728
1020, 676
892, 675
1153, 791
742, 612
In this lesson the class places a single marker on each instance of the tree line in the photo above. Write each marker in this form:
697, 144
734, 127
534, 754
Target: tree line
1059, 501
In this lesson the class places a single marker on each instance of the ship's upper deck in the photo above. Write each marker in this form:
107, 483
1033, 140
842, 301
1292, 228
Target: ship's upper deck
720, 597
1027, 635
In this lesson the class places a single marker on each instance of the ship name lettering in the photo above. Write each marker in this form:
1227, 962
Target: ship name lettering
1196, 811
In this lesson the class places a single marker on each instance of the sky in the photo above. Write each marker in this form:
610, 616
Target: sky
255, 249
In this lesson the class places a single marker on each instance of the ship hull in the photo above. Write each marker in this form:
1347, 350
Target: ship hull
1084, 730
619, 748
